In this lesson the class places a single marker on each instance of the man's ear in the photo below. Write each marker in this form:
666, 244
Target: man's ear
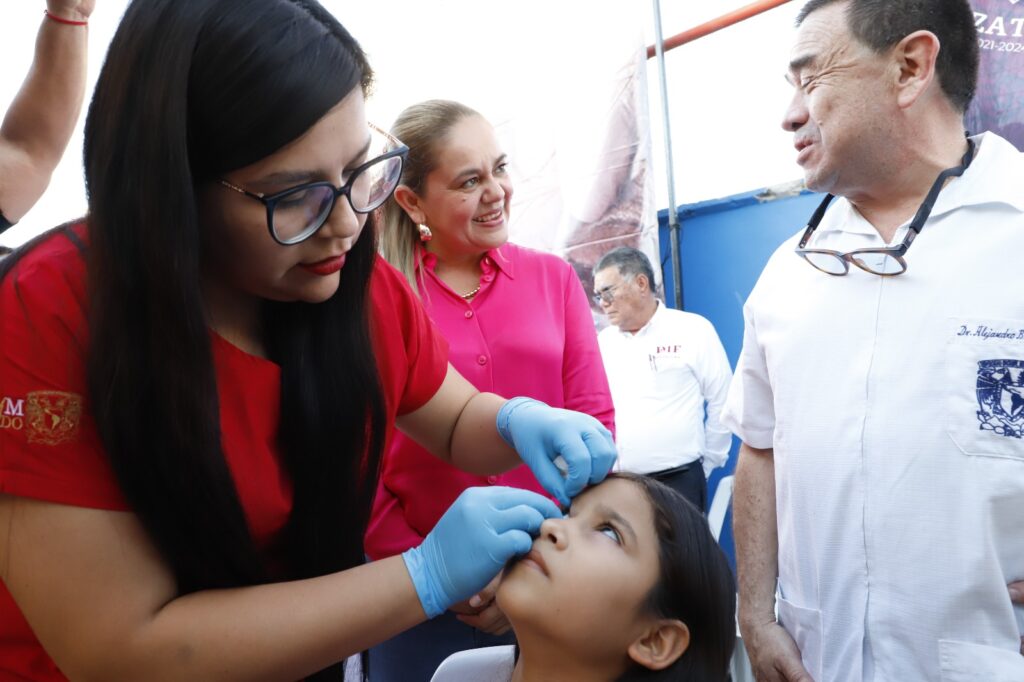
643, 282
661, 644
915, 57
410, 203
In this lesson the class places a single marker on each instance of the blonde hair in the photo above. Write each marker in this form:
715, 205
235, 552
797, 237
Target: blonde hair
421, 127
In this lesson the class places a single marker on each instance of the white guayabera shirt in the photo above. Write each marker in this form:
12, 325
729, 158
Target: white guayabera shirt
895, 407
668, 381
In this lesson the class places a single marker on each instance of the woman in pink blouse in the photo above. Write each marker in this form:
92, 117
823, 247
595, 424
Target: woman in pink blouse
518, 322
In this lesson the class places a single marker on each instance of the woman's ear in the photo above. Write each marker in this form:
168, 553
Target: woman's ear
410, 203
661, 644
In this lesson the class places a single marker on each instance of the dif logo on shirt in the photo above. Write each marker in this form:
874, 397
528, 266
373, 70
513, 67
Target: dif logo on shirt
662, 353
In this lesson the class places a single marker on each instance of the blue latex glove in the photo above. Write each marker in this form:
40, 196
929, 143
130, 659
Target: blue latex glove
541, 434
480, 532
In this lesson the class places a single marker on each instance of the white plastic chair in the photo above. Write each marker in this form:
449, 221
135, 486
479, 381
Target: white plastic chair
720, 505
489, 664
739, 667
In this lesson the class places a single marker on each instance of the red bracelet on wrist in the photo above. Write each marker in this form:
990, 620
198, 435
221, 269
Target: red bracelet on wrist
61, 20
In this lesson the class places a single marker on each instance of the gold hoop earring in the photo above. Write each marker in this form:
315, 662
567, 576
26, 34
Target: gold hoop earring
425, 234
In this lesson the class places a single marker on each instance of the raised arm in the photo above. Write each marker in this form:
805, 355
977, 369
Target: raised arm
460, 425
42, 116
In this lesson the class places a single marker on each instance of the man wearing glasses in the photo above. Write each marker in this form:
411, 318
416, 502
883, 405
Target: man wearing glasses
663, 367
879, 495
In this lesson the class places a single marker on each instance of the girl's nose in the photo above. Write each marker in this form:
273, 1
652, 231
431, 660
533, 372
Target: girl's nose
555, 531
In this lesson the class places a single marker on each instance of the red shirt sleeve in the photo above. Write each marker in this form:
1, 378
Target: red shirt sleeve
49, 447
412, 356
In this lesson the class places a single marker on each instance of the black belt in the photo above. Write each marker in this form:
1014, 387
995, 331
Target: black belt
683, 468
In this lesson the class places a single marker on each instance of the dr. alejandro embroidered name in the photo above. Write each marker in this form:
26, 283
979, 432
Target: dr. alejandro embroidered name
984, 332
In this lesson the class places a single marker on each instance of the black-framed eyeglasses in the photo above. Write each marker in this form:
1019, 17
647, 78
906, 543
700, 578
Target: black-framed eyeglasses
885, 261
295, 214
607, 294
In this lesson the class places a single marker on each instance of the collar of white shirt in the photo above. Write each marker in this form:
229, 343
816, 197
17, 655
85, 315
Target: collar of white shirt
644, 330
996, 176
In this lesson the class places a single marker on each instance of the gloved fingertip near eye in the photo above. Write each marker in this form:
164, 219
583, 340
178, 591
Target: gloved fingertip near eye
575, 487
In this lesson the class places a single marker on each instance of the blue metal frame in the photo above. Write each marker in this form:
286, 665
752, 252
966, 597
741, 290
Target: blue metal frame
725, 245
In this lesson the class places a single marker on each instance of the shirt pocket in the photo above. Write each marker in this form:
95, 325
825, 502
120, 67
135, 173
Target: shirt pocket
667, 363
804, 626
984, 387
969, 662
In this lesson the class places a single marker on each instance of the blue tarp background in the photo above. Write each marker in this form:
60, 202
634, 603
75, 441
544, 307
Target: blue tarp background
725, 245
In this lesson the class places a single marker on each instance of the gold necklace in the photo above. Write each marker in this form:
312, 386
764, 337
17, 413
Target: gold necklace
472, 293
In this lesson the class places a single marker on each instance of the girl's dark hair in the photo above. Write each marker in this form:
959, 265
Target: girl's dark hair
695, 585
189, 91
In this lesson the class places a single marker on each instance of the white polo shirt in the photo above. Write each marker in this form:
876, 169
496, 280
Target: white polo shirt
895, 407
660, 378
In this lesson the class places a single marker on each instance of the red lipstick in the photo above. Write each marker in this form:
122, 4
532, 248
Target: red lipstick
327, 266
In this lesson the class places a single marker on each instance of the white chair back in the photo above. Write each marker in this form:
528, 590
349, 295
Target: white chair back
720, 505
489, 664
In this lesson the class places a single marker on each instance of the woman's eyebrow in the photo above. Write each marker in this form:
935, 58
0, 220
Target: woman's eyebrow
476, 171
298, 177
366, 148
466, 173
289, 177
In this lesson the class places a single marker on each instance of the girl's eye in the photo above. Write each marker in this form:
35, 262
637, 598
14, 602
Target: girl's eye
502, 168
470, 184
610, 532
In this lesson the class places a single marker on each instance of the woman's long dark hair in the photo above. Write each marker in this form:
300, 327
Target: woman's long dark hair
191, 90
695, 585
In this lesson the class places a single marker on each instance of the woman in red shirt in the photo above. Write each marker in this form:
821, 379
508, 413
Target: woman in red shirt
197, 381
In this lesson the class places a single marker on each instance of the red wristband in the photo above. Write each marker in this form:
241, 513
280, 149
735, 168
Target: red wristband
61, 20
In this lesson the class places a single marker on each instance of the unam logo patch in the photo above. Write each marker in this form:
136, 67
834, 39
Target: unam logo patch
1001, 397
52, 417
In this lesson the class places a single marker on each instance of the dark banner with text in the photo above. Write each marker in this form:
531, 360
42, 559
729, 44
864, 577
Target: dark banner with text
999, 103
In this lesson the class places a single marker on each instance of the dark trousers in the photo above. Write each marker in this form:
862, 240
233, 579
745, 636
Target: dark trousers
687, 480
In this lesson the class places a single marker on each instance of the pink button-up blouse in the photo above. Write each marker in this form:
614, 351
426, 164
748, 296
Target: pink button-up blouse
527, 332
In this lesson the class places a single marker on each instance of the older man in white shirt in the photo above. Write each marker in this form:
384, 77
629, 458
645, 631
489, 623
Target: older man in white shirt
880, 485
669, 377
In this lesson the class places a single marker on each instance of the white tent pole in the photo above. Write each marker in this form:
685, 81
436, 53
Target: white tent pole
673, 215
